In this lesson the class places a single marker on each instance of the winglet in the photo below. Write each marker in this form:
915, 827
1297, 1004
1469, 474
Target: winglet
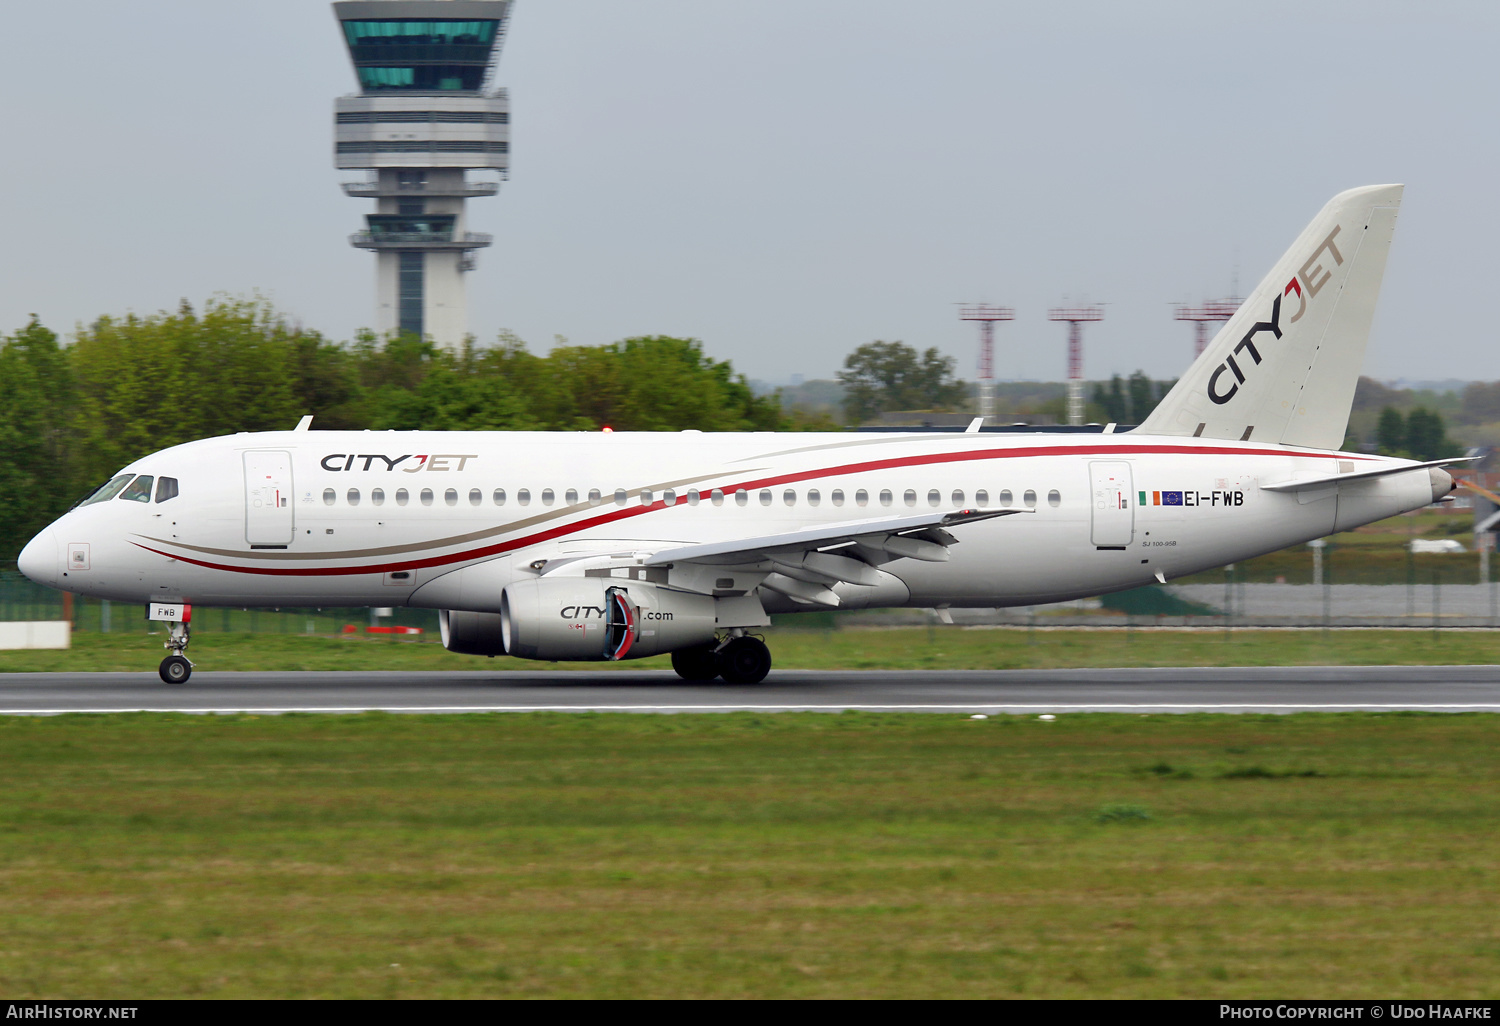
305, 424
974, 426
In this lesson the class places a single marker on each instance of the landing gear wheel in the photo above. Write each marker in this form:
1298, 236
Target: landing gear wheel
744, 660
175, 669
696, 664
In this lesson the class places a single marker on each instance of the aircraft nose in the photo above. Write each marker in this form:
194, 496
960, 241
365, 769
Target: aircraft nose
39, 560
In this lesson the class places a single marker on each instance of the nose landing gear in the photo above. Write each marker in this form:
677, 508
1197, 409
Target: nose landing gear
175, 668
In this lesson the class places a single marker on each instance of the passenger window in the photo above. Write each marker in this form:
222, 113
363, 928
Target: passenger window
166, 488
669, 497
1054, 498
476, 497
716, 496
765, 496
693, 497
594, 497
451, 496
426, 496
330, 496
377, 496
934, 497
813, 497
645, 497
1029, 498
499, 497
548, 498
885, 497
108, 490
352, 496
139, 490
981, 498
861, 498
958, 496
620, 497
910, 498
741, 497
1006, 498
789, 497
837, 497
523, 496
572, 496
401, 496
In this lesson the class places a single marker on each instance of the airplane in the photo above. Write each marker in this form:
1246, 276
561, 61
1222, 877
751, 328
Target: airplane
585, 546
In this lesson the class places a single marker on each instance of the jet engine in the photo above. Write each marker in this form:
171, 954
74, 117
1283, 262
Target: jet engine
471, 633
584, 619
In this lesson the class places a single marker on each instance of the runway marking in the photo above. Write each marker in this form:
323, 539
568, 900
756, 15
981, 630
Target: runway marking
831, 707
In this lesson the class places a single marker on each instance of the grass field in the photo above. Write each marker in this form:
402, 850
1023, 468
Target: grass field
934, 648
795, 855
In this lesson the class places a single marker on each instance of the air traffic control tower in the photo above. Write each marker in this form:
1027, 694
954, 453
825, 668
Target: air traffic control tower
425, 115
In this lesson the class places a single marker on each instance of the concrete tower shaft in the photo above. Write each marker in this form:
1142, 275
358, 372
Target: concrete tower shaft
424, 117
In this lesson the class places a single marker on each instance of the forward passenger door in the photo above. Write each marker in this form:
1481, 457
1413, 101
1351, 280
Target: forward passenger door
268, 499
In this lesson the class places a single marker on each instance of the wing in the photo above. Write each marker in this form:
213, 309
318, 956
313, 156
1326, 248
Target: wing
805, 565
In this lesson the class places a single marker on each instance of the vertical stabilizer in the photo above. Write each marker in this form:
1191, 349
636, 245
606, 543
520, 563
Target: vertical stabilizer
1283, 369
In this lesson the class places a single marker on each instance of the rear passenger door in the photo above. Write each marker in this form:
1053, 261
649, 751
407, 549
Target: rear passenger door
1113, 504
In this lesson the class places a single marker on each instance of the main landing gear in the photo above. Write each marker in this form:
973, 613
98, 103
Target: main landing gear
175, 668
740, 659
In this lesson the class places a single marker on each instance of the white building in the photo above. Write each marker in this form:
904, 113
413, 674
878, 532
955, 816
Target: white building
426, 114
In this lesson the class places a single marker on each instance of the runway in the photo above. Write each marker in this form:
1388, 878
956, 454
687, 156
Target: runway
1176, 690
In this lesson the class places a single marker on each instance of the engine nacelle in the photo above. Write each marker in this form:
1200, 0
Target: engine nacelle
600, 618
471, 633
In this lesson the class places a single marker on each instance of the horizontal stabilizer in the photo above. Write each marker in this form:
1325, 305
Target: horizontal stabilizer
1362, 475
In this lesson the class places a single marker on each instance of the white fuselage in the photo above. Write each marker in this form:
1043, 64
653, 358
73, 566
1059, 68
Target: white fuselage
304, 518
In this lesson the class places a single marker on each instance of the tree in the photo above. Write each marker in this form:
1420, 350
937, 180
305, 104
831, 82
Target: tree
37, 477
1426, 438
879, 377
1390, 432
1143, 396
1116, 406
70, 417
145, 383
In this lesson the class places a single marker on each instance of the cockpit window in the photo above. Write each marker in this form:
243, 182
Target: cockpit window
108, 490
166, 488
139, 490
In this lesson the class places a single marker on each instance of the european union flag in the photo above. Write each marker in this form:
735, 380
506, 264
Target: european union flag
1171, 498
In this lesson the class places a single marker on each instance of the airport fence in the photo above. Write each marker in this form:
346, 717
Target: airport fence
1431, 598
22, 599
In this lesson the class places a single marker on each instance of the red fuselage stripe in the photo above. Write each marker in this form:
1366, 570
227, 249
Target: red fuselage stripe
930, 459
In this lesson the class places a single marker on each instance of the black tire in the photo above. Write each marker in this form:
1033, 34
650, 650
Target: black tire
696, 664
175, 670
744, 661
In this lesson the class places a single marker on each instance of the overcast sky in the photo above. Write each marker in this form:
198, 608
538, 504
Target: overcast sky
784, 181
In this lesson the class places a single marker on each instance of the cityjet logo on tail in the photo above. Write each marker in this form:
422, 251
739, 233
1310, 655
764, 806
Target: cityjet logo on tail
1306, 283
341, 461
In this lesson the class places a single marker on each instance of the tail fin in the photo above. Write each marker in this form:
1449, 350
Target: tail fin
1284, 367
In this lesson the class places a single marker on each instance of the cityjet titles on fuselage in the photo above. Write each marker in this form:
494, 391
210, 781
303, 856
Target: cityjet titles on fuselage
341, 461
